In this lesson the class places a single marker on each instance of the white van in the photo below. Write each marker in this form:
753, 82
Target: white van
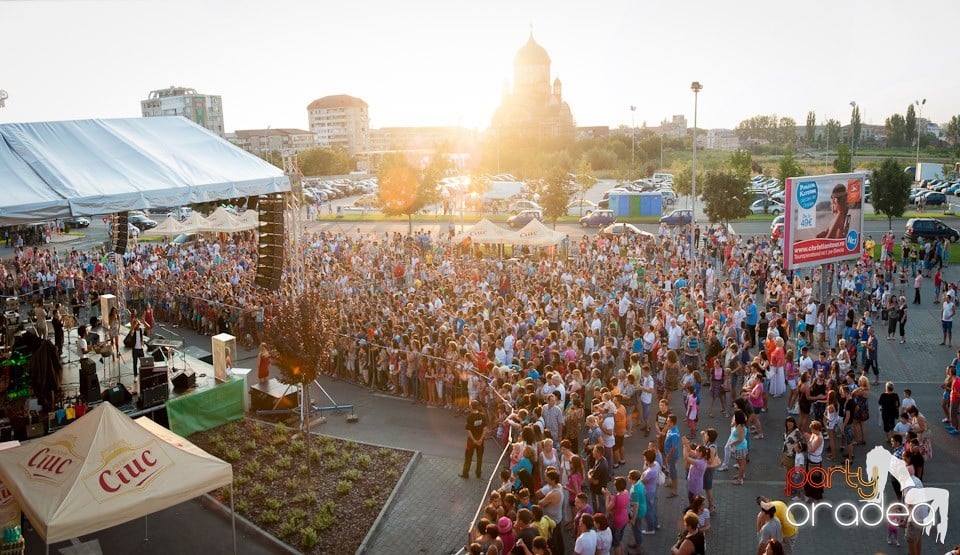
662, 178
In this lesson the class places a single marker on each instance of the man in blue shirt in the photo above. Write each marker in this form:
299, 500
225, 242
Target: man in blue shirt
753, 316
671, 448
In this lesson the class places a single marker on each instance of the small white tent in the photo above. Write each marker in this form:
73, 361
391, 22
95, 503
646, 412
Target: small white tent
171, 227
194, 223
104, 470
220, 221
488, 233
535, 234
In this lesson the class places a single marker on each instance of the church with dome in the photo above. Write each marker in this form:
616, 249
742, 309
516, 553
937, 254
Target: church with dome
535, 107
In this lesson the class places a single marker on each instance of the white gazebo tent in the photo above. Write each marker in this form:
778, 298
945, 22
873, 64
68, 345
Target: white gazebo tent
170, 227
536, 234
103, 470
194, 223
488, 233
250, 220
220, 221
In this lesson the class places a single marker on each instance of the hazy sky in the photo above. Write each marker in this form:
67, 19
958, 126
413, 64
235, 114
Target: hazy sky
443, 62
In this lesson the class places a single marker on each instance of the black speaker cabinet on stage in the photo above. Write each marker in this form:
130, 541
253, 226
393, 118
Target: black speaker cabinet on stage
153, 396
89, 382
270, 251
183, 380
118, 395
120, 233
153, 377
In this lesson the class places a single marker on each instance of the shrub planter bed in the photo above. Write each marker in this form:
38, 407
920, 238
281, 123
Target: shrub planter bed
328, 512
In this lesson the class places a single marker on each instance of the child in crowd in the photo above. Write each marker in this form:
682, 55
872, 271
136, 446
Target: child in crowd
893, 531
903, 425
907, 400
690, 401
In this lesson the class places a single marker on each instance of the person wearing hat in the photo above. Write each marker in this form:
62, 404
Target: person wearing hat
788, 530
768, 526
507, 535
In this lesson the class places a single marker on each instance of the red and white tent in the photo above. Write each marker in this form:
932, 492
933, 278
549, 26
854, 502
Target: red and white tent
103, 470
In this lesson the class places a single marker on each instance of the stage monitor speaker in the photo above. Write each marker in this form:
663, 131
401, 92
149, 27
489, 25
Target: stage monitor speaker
117, 395
153, 396
120, 233
89, 382
184, 379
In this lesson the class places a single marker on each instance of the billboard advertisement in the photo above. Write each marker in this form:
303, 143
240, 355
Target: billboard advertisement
824, 219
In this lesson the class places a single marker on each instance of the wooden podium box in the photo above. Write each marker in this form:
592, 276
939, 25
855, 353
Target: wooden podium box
220, 344
272, 395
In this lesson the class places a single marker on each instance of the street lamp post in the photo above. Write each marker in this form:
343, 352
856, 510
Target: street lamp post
919, 104
696, 87
853, 105
633, 135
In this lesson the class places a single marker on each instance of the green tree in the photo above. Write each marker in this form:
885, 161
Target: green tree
832, 132
953, 130
789, 167
896, 128
890, 193
683, 179
740, 163
910, 124
811, 130
556, 195
843, 163
786, 131
856, 126
725, 196
585, 179
325, 161
405, 191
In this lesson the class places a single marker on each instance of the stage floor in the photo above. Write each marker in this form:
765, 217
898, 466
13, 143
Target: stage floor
112, 371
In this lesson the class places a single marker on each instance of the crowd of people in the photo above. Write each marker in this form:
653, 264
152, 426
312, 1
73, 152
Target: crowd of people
566, 360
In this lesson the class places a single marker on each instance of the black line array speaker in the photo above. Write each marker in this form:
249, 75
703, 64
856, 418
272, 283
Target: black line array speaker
119, 239
270, 251
89, 382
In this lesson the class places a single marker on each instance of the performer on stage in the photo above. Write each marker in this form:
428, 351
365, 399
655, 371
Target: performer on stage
58, 328
263, 363
137, 332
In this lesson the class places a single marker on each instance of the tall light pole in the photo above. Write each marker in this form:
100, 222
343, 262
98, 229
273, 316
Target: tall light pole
853, 106
696, 87
919, 104
633, 134
826, 155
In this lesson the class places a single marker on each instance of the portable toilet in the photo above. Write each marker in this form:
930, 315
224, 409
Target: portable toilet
651, 204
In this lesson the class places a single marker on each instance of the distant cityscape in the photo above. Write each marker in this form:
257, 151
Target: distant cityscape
533, 108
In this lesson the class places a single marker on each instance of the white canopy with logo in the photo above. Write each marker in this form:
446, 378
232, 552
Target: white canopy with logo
103, 470
535, 234
171, 226
488, 233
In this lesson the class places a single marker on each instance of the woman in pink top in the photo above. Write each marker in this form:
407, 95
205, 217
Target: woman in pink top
756, 402
618, 506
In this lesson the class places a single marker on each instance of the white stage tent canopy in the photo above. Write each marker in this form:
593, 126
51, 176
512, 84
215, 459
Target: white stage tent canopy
59, 169
103, 470
488, 233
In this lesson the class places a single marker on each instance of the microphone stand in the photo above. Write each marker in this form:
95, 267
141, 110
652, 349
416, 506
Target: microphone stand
183, 354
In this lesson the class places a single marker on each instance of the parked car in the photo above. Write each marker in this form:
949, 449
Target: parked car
776, 221
677, 217
766, 206
141, 222
78, 221
929, 228
932, 198
185, 239
598, 218
625, 229
520, 205
523, 218
581, 208
669, 197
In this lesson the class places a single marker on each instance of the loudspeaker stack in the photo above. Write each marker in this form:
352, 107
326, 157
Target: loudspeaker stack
270, 251
89, 382
118, 240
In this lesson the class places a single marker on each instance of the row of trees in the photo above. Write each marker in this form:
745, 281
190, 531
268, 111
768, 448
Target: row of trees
317, 161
